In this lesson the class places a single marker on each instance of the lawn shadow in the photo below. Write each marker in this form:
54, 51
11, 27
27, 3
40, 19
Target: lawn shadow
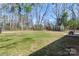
58, 47
12, 45
4, 40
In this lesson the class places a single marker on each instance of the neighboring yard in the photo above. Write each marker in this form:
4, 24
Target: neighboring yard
26, 42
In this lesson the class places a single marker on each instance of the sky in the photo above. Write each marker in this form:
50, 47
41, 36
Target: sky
50, 15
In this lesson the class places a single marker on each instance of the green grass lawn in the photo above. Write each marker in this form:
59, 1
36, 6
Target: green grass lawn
26, 42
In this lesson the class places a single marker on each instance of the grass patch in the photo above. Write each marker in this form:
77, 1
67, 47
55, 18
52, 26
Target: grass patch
25, 43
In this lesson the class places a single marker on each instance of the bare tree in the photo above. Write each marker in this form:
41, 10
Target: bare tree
40, 15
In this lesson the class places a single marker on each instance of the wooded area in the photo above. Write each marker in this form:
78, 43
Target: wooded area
35, 16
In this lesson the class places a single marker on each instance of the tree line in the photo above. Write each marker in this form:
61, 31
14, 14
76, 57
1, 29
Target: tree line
39, 16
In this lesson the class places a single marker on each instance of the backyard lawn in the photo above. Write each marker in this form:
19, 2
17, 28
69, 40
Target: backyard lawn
26, 42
